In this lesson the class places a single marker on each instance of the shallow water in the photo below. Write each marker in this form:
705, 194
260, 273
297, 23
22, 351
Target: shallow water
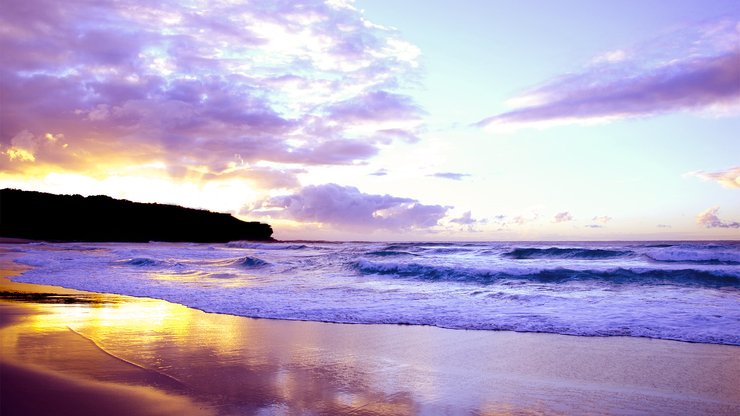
687, 291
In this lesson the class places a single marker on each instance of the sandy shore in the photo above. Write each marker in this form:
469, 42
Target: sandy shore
73, 352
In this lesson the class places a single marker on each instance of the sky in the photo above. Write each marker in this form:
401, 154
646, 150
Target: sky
384, 119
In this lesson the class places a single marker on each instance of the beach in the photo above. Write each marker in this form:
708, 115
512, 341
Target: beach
355, 207
78, 353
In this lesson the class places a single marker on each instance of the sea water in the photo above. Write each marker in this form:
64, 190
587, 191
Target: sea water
688, 291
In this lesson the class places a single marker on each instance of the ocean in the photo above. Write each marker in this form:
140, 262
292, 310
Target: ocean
687, 291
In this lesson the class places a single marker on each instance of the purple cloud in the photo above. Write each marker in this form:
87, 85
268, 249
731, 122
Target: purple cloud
594, 226
562, 217
729, 178
134, 83
695, 69
709, 219
374, 106
380, 172
468, 223
465, 219
338, 151
345, 206
260, 177
450, 175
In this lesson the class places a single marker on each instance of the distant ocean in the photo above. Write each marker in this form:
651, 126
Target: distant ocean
688, 291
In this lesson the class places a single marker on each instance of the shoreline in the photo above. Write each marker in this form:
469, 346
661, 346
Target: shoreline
62, 288
229, 364
525, 289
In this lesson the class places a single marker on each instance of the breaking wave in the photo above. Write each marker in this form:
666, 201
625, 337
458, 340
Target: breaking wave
250, 262
143, 262
687, 291
265, 246
566, 253
689, 277
714, 257
386, 253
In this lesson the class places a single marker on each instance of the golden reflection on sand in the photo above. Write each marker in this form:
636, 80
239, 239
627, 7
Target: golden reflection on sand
215, 357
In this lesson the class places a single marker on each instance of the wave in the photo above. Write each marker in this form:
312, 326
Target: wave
422, 249
265, 246
221, 276
566, 253
681, 277
672, 297
250, 262
79, 248
143, 262
405, 247
709, 257
448, 250
385, 253
148, 262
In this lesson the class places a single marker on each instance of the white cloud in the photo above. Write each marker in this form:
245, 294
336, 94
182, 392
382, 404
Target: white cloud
709, 219
729, 178
562, 217
603, 219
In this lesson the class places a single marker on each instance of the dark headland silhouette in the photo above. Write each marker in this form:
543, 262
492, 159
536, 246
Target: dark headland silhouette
42, 216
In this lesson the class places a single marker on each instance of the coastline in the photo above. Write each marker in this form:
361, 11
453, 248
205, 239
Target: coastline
110, 349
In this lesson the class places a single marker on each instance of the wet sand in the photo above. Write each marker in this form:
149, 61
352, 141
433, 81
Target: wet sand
76, 352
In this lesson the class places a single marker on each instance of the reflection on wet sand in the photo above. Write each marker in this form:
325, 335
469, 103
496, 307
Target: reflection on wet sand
215, 359
233, 365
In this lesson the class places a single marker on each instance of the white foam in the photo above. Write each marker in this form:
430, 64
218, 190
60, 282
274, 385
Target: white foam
324, 284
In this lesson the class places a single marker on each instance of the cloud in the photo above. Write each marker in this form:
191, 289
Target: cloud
617, 55
347, 207
562, 217
663, 226
388, 135
260, 177
602, 219
380, 172
709, 219
467, 222
374, 106
524, 219
694, 69
729, 178
187, 85
450, 175
465, 219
